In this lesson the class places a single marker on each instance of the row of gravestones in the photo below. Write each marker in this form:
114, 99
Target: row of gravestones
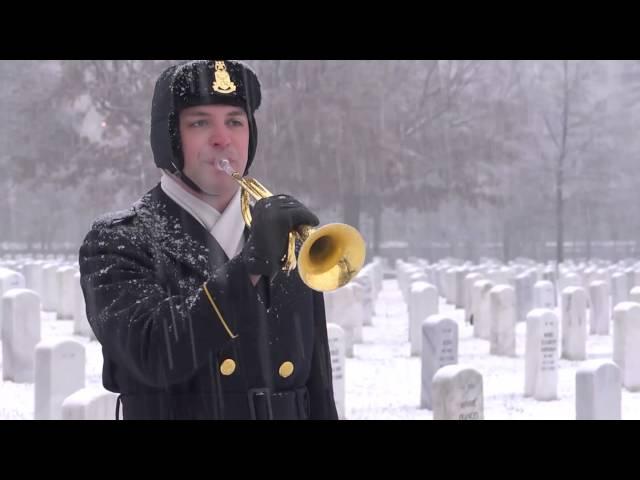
56, 366
454, 392
57, 370
439, 335
58, 287
451, 279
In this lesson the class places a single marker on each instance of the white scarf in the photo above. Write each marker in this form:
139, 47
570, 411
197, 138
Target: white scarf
227, 228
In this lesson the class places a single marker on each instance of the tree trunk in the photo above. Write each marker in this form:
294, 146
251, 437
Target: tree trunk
559, 213
377, 228
588, 233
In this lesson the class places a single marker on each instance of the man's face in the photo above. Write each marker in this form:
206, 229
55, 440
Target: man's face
210, 133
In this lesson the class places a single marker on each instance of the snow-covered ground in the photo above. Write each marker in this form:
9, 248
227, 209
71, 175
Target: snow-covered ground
383, 380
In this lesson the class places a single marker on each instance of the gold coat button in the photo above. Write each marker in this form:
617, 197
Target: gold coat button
228, 367
286, 369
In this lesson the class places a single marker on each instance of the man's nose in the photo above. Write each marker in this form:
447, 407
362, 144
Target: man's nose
219, 137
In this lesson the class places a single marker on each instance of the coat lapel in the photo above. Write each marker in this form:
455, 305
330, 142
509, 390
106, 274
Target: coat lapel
185, 239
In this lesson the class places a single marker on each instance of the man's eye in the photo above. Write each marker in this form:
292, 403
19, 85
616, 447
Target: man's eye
198, 124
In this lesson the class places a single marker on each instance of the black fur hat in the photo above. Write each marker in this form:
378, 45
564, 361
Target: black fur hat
199, 82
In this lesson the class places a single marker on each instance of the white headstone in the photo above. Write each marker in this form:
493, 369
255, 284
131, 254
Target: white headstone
589, 275
66, 300
541, 355
503, 321
574, 323
619, 290
626, 343
338, 363
439, 348
366, 281
9, 279
50, 288
482, 309
423, 302
549, 274
342, 309
90, 403
461, 273
544, 295
59, 372
450, 287
357, 309
598, 391
20, 334
414, 275
457, 394
631, 280
636, 277
469, 280
33, 277
600, 308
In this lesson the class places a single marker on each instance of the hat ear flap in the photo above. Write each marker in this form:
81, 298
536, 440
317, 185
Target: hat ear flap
253, 142
176, 142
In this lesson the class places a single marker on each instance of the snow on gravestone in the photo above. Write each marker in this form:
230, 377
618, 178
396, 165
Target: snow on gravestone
626, 343
600, 308
574, 323
338, 362
544, 295
439, 348
457, 394
59, 372
503, 321
90, 403
598, 391
482, 309
20, 334
423, 302
541, 355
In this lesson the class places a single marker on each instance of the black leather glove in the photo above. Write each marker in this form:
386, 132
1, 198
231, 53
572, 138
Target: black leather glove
272, 220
